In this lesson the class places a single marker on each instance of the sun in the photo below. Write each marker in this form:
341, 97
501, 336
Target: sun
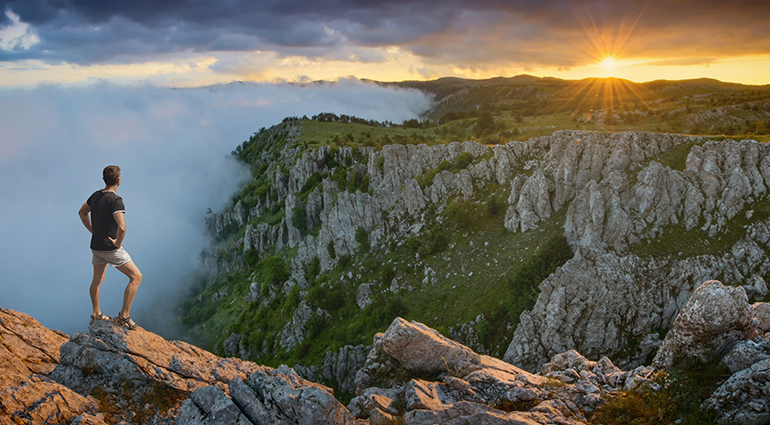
608, 62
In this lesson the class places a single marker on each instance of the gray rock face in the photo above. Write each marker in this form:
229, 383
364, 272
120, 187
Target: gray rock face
472, 388
699, 332
209, 406
742, 398
614, 191
421, 377
294, 333
270, 396
600, 300
341, 366
338, 366
597, 302
747, 352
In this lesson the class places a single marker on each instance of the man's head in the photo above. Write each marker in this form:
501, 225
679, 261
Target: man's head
111, 174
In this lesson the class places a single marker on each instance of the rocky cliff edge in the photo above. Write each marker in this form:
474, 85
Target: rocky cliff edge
412, 375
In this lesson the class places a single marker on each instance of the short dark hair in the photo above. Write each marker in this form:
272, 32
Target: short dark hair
111, 174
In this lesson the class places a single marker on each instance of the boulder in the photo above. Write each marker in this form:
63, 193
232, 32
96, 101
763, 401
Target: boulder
698, 332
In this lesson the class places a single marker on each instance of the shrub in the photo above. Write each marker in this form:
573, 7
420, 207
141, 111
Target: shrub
291, 302
275, 269
683, 389
388, 274
463, 161
312, 182
332, 251
331, 299
461, 213
312, 270
438, 240
252, 257
496, 205
315, 325
379, 162
524, 282
362, 237
298, 219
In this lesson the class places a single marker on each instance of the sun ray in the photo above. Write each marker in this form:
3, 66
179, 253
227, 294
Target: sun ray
599, 41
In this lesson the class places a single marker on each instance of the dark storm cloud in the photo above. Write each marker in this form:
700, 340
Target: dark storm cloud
471, 33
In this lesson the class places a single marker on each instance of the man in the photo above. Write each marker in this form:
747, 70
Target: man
107, 225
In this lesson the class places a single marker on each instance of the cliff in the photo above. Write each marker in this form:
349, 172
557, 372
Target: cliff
441, 234
412, 375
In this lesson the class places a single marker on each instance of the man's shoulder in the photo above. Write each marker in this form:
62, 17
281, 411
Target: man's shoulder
108, 196
96, 195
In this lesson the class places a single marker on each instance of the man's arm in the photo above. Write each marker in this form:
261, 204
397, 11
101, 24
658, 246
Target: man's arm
83, 213
121, 233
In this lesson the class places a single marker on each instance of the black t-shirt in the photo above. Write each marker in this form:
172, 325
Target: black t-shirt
103, 206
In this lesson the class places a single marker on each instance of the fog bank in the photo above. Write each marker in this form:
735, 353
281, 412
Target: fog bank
173, 146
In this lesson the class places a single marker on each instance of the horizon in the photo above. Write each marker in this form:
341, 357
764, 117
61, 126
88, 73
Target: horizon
202, 43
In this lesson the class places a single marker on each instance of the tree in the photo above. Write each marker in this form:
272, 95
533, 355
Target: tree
485, 124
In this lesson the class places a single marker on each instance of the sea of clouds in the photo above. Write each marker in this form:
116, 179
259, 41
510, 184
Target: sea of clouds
173, 146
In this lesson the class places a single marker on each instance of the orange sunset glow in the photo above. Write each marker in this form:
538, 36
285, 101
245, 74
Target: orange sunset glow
204, 43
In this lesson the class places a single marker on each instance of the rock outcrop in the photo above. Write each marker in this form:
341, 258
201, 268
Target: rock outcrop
415, 373
412, 375
619, 198
139, 377
29, 354
699, 332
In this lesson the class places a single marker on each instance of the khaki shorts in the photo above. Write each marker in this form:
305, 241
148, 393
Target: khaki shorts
115, 258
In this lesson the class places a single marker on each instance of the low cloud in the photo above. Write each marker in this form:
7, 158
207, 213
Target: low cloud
682, 61
173, 146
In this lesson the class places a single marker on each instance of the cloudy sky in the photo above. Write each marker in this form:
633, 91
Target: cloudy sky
198, 42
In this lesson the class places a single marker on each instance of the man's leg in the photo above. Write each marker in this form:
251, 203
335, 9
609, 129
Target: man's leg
99, 272
134, 279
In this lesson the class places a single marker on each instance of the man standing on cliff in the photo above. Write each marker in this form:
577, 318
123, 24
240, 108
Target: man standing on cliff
107, 225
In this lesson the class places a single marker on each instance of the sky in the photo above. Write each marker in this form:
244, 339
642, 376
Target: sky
173, 146
187, 43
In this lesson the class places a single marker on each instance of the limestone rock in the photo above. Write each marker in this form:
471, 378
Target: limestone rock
341, 366
476, 388
698, 332
294, 333
29, 353
210, 406
289, 398
420, 348
742, 398
748, 352
761, 312
114, 352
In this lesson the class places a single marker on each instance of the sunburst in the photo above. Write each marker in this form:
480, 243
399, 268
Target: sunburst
608, 62
605, 43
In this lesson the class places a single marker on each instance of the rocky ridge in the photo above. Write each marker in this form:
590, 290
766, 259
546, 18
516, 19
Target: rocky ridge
613, 190
411, 375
